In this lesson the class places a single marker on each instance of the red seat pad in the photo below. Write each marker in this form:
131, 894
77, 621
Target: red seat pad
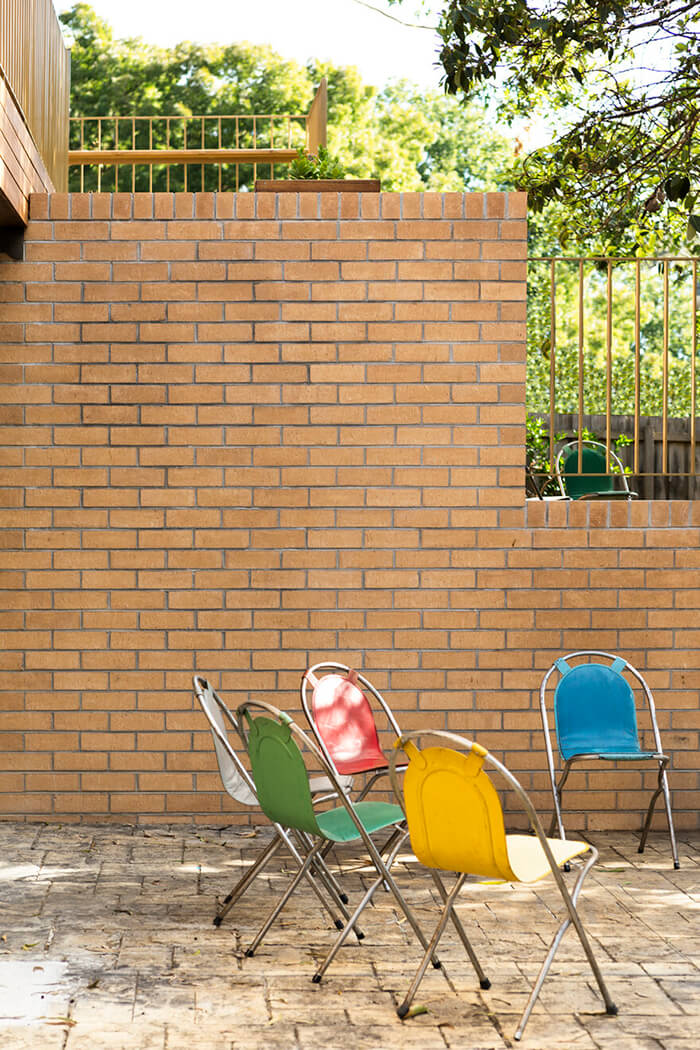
345, 722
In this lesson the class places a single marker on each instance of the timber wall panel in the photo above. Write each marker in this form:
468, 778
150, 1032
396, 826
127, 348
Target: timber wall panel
245, 432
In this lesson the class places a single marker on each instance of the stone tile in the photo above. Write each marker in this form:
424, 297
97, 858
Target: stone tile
107, 943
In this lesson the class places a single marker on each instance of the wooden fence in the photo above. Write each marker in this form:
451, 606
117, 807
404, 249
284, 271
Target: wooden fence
678, 479
36, 67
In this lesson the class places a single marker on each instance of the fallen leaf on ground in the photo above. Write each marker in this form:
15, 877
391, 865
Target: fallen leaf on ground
416, 1010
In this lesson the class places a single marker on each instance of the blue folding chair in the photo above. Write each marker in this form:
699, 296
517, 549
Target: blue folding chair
595, 718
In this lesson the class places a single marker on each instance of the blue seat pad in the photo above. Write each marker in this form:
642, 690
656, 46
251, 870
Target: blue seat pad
625, 756
337, 824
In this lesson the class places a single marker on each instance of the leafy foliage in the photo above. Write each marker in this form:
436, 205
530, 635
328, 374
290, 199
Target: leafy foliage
409, 138
307, 166
618, 82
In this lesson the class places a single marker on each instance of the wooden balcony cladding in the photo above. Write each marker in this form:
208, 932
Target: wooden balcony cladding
34, 105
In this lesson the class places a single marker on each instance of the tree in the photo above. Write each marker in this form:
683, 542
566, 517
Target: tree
409, 138
619, 82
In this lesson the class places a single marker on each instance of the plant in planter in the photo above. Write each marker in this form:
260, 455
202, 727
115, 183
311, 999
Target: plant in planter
323, 166
317, 172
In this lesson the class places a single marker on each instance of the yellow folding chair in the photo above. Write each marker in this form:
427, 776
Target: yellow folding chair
456, 824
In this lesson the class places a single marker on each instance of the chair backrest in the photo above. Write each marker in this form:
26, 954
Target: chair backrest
594, 710
280, 775
343, 718
594, 475
454, 813
229, 764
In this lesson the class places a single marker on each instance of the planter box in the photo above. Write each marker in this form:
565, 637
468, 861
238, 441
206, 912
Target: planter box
318, 186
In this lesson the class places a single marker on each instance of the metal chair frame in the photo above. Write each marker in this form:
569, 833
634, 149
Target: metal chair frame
392, 847
570, 899
308, 683
658, 756
241, 788
610, 456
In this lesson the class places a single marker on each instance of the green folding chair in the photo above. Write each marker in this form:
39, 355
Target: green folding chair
591, 476
282, 785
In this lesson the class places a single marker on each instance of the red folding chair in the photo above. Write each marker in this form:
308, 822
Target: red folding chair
341, 719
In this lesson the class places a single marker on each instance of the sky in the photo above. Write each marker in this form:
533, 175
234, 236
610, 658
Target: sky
345, 31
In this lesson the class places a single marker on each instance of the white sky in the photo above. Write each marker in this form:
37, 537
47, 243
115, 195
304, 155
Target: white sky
343, 31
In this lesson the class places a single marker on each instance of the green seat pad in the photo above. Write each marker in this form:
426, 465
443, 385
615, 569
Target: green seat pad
337, 824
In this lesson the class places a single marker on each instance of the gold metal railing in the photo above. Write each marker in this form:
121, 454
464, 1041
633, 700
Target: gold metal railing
36, 66
615, 339
179, 152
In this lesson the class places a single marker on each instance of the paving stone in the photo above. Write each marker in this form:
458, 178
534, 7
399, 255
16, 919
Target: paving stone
107, 943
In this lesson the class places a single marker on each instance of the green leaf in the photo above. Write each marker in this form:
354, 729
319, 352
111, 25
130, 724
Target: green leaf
677, 187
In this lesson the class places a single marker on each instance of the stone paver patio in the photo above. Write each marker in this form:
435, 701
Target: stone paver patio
107, 943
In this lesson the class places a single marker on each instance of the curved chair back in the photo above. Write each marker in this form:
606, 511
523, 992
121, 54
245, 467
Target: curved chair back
594, 710
341, 715
454, 813
280, 775
593, 476
234, 775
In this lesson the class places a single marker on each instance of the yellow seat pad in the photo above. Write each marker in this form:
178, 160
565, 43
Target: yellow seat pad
528, 860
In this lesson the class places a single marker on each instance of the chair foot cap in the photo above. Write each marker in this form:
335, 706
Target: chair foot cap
250, 952
338, 924
344, 898
402, 1011
676, 864
228, 899
217, 920
437, 965
640, 849
316, 979
612, 1010
485, 983
360, 935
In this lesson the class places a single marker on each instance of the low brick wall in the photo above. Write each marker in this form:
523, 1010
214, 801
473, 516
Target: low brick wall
245, 432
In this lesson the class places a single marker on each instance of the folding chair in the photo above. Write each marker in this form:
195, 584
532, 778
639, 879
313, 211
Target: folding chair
456, 824
342, 722
283, 791
595, 719
238, 784
594, 479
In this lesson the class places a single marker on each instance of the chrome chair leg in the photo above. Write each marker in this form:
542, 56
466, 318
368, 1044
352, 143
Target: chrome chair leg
244, 882
573, 917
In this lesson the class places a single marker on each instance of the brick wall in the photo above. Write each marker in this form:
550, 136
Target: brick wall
242, 433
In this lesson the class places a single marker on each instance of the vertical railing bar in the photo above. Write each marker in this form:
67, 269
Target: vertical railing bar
133, 146
184, 139
664, 406
580, 366
220, 147
552, 356
201, 139
608, 372
167, 146
150, 146
693, 394
637, 361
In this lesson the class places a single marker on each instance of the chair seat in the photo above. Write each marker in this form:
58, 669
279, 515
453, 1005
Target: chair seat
370, 759
619, 756
338, 826
528, 860
320, 785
